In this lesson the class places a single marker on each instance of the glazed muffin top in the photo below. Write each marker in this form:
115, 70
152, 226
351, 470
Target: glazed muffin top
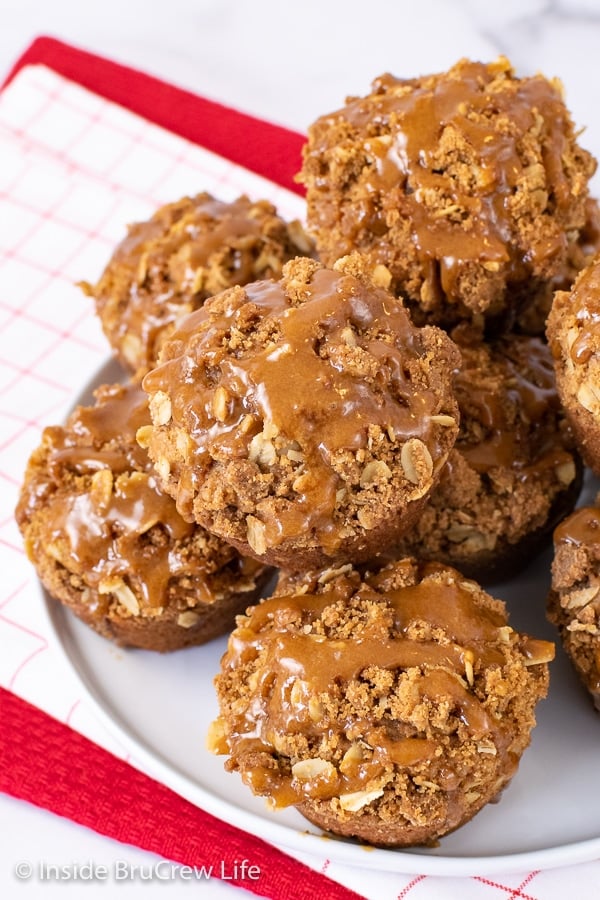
400, 694
573, 331
513, 471
187, 251
101, 530
574, 599
299, 417
468, 185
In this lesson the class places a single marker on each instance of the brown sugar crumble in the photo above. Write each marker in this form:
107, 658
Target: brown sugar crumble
513, 472
574, 336
304, 420
389, 706
186, 252
574, 598
108, 542
468, 186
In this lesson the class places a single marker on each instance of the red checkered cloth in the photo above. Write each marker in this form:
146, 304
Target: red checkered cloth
86, 146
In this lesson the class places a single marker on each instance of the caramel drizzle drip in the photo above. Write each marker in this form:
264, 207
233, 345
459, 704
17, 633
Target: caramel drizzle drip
105, 529
584, 303
174, 246
297, 384
290, 656
582, 527
530, 441
416, 115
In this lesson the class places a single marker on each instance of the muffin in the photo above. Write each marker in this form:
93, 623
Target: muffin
108, 543
468, 186
189, 250
389, 707
574, 598
533, 319
574, 336
304, 421
513, 473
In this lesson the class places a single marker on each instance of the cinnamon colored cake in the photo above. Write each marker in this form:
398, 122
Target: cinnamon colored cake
187, 251
468, 186
574, 599
573, 331
513, 473
108, 543
389, 706
303, 421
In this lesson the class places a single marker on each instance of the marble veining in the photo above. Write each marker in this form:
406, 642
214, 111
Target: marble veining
290, 64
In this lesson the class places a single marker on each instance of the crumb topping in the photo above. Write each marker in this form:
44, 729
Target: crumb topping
305, 406
97, 522
464, 184
187, 251
392, 694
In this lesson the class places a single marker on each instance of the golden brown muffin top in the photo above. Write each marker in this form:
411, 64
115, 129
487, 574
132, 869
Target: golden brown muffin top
509, 405
187, 251
462, 182
346, 680
92, 502
309, 378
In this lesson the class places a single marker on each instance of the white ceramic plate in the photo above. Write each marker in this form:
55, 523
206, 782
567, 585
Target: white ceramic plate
160, 706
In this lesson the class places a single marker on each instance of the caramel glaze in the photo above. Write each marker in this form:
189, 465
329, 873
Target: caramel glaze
492, 122
519, 420
297, 383
584, 305
279, 631
174, 245
108, 533
581, 528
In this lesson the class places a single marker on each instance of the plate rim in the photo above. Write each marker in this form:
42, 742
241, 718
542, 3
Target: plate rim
398, 861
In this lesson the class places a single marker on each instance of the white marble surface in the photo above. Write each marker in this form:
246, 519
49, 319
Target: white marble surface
288, 63
292, 62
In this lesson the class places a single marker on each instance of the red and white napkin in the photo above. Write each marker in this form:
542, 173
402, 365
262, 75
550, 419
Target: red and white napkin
76, 165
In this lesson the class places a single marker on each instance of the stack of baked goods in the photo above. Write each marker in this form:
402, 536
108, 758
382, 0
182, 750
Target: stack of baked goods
366, 413
106, 538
